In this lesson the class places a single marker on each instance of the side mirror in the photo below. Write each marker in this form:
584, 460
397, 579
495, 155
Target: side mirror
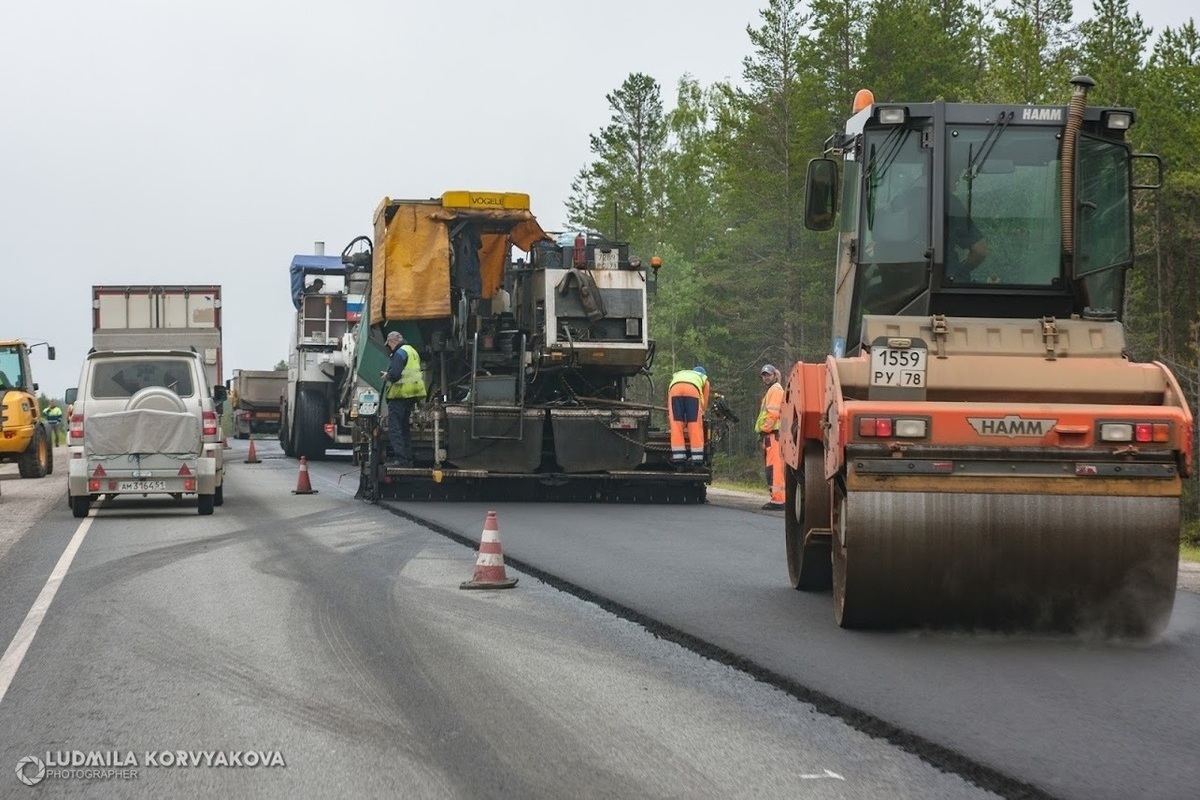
50, 352
820, 194
219, 394
71, 395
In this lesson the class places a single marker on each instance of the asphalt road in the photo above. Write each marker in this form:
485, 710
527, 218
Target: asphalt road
330, 639
1066, 716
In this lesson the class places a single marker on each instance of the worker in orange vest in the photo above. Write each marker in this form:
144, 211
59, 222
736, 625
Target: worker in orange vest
687, 400
767, 427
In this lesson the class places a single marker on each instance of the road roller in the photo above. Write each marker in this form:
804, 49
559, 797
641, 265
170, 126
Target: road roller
979, 450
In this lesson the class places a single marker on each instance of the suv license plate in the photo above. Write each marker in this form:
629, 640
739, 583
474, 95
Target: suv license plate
142, 486
896, 366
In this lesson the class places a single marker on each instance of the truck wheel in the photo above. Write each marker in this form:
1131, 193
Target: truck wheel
219, 494
49, 454
204, 504
32, 463
80, 505
310, 425
285, 435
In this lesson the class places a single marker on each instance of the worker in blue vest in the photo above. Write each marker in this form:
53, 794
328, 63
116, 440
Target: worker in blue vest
405, 387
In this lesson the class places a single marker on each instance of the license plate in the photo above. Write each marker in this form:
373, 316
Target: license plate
898, 366
607, 259
142, 486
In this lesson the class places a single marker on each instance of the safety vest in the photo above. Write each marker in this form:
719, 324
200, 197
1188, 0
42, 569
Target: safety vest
54, 414
768, 413
695, 379
412, 380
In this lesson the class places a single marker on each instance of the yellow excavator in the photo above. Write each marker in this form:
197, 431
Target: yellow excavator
24, 432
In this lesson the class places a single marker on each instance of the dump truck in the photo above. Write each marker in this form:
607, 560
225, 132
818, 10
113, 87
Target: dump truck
317, 406
171, 317
256, 396
978, 450
529, 345
24, 431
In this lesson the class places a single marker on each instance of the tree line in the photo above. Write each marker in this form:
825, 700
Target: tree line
715, 184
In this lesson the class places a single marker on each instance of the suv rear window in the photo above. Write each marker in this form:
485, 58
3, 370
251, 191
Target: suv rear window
118, 378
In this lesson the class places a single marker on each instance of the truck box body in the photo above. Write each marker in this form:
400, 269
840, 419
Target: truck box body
257, 397
160, 317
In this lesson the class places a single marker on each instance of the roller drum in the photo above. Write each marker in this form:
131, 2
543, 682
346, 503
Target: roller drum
1077, 563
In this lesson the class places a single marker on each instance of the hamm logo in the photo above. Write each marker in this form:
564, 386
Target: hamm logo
1011, 426
1042, 114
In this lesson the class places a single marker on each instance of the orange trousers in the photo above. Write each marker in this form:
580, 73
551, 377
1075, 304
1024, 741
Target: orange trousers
687, 425
773, 456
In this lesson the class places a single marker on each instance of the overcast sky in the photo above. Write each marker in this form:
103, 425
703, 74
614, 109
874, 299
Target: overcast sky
157, 141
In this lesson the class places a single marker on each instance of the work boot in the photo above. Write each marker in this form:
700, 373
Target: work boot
772, 506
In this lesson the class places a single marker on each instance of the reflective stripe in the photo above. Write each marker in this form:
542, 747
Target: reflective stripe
412, 380
693, 378
689, 376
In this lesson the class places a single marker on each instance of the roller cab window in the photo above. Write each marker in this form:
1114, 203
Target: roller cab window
1002, 188
895, 221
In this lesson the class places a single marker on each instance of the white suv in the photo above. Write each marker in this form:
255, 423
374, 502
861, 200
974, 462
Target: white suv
144, 422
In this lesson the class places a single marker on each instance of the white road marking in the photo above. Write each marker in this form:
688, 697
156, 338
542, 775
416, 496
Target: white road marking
15, 654
827, 774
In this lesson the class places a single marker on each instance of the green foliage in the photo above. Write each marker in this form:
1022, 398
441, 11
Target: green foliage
1190, 534
1111, 48
1169, 124
917, 50
1030, 52
620, 192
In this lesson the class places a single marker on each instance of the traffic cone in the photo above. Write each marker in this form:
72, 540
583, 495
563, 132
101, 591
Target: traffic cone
489, 566
302, 484
252, 456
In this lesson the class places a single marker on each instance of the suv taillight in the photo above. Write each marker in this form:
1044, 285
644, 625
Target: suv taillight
76, 429
210, 423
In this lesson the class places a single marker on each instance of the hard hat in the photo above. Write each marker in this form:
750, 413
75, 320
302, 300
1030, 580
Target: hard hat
701, 370
768, 369
394, 335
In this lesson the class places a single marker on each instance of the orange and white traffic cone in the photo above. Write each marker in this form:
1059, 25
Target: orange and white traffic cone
489, 566
252, 456
302, 484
